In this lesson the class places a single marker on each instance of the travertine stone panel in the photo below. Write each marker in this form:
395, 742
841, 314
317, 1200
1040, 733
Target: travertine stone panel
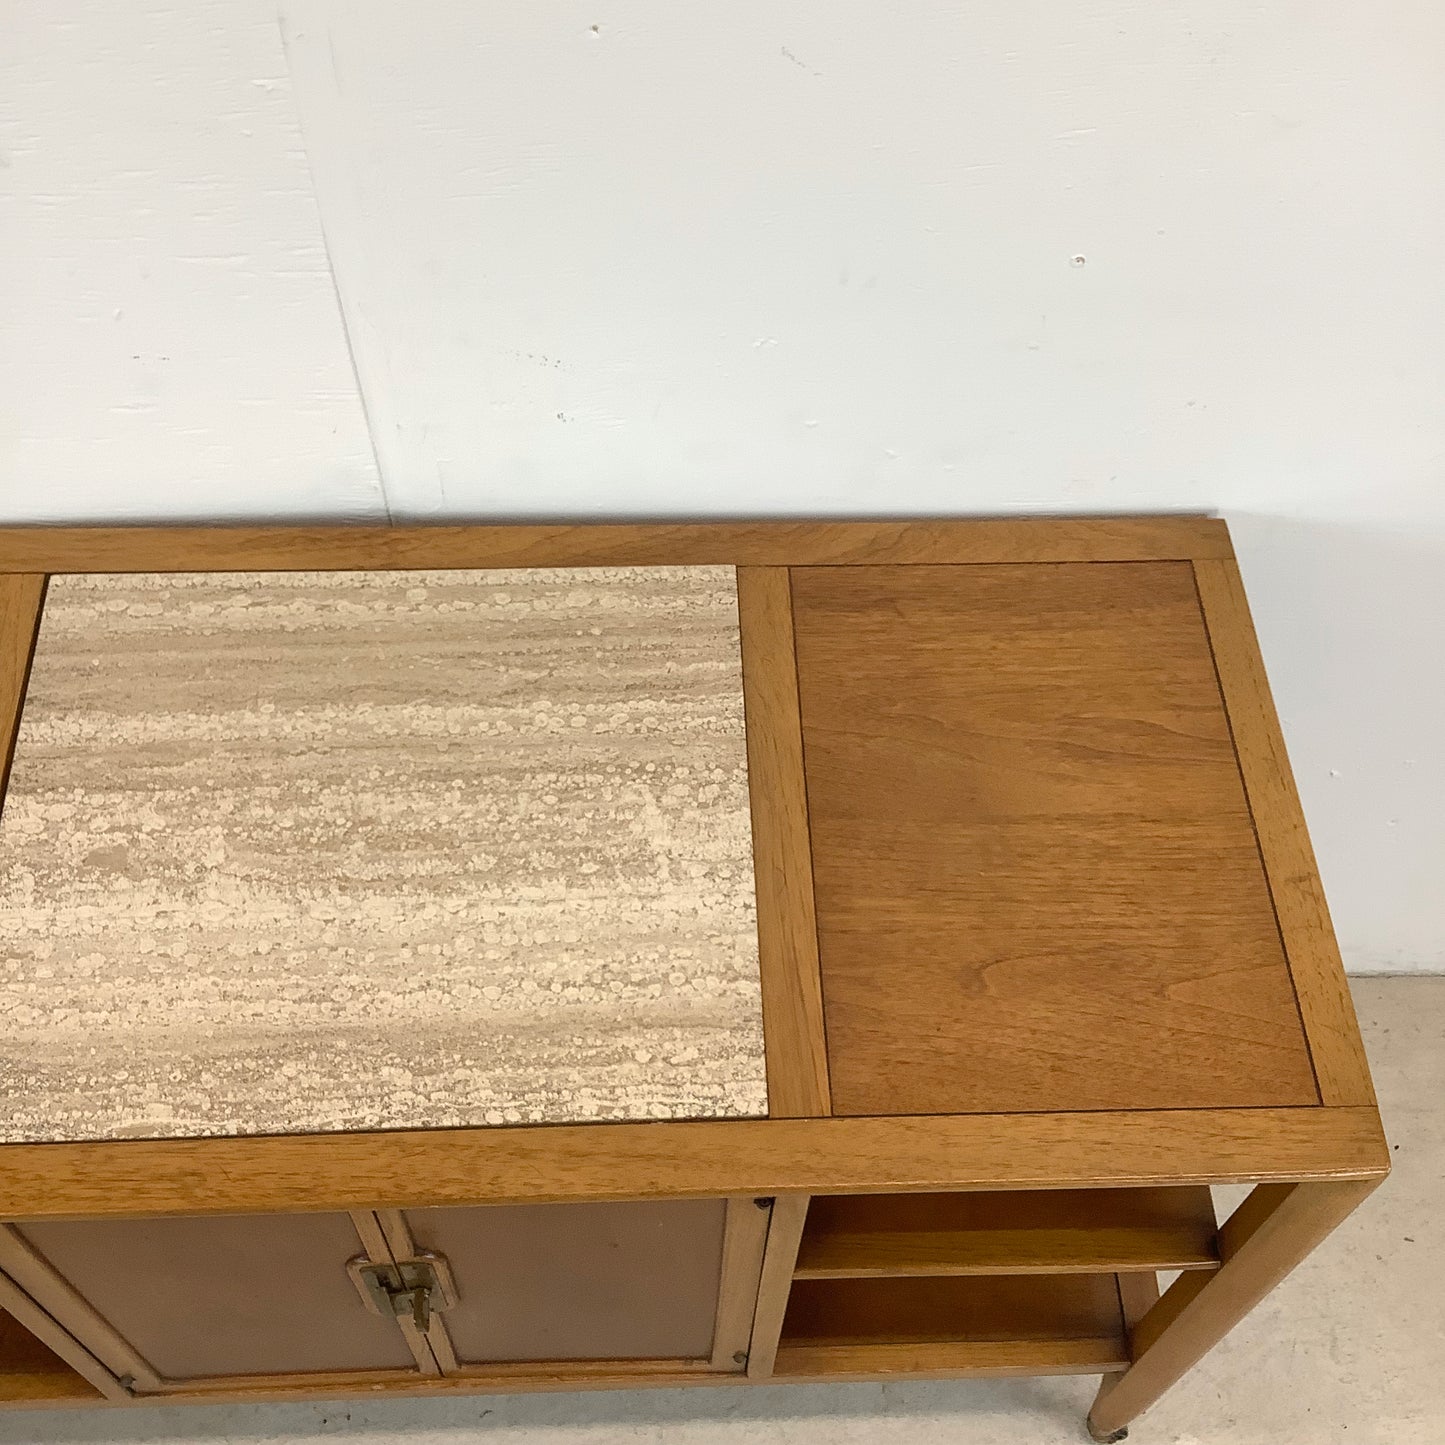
322, 851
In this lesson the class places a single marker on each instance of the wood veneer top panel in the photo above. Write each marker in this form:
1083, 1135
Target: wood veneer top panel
313, 852
1038, 885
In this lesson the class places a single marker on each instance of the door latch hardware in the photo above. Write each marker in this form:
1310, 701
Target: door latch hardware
411, 1289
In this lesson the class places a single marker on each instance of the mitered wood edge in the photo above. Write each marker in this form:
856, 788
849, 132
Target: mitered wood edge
22, 600
1327, 1012
792, 988
780, 543
682, 1160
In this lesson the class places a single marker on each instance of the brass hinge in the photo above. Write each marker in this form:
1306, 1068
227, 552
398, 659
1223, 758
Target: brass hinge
411, 1289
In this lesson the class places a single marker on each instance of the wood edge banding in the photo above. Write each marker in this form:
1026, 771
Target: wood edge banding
687, 1160
778, 543
792, 991
22, 601
1328, 1013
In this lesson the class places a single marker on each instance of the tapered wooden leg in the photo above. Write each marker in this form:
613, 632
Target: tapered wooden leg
1270, 1233
1122, 1433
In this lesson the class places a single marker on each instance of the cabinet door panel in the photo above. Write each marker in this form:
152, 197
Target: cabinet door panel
227, 1295
580, 1281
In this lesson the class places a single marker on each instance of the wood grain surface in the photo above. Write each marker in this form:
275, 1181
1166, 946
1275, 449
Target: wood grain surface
688, 1160
949, 1359
1299, 896
774, 544
982, 1308
797, 1051
1038, 885
21, 598
1138, 1294
317, 851
1090, 1231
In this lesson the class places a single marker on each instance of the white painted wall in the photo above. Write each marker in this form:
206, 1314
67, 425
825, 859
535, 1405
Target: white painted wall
170, 343
605, 257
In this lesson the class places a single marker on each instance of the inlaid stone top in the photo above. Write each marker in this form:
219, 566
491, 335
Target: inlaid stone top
323, 851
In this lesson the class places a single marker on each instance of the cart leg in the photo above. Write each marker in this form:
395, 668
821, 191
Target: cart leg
1265, 1238
1122, 1433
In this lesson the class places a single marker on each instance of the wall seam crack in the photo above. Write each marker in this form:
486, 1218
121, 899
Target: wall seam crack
366, 411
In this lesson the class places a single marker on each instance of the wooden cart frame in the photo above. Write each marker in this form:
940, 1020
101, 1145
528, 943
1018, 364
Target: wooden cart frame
1311, 1165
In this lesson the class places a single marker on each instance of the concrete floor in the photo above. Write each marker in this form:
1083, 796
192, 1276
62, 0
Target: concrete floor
1349, 1351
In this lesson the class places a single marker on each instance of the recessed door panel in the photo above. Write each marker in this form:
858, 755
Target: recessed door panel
227, 1295
580, 1281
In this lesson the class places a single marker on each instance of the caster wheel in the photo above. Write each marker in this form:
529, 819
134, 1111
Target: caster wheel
1109, 1439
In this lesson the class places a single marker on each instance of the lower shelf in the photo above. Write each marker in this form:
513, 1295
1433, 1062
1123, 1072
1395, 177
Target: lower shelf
1002, 1324
834, 1329
1054, 1231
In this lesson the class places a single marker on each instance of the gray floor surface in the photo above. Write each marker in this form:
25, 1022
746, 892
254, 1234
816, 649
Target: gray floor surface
1349, 1351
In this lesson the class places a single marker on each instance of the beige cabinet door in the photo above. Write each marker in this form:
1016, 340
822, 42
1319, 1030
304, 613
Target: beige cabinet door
664, 1281
169, 1303
196, 1304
